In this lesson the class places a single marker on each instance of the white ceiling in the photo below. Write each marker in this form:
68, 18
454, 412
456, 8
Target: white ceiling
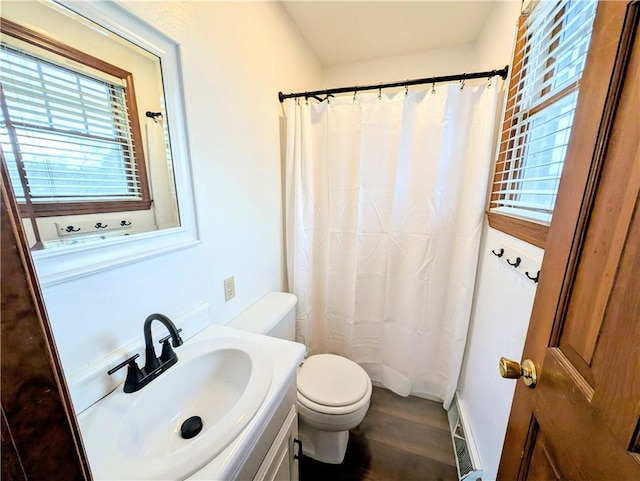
341, 32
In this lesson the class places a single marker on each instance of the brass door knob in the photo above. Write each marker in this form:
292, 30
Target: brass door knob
510, 369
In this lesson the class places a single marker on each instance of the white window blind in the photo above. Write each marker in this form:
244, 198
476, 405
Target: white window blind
65, 135
550, 56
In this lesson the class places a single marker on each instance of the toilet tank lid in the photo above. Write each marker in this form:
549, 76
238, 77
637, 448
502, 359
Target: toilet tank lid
265, 314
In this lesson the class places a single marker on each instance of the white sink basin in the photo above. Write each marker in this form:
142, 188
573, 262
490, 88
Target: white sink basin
137, 436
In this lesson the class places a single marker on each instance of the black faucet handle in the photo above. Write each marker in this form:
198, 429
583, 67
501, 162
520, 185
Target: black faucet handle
166, 338
131, 360
167, 352
134, 374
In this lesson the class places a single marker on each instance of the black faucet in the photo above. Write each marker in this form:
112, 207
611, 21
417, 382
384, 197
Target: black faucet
151, 361
138, 378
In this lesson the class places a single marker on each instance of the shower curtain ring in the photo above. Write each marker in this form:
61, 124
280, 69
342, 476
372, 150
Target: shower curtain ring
433, 86
354, 96
463, 81
490, 81
380, 93
406, 90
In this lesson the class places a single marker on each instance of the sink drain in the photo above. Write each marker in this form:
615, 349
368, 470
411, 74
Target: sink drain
191, 427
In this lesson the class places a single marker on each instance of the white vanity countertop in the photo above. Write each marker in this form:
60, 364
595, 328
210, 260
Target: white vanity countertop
286, 357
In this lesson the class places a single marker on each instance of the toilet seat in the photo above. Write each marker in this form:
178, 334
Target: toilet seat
332, 384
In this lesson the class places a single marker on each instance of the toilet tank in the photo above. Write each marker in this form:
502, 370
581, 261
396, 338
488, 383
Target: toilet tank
273, 315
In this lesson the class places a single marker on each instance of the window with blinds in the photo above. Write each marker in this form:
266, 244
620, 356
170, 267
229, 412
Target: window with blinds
66, 136
551, 50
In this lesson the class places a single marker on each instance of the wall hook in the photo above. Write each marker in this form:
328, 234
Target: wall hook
516, 263
124, 223
70, 228
534, 279
153, 115
100, 225
498, 254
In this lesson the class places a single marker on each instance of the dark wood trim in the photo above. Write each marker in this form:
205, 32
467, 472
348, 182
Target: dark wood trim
78, 208
27, 208
35, 400
136, 134
530, 441
47, 43
603, 75
506, 138
569, 89
630, 27
634, 444
596, 155
12, 468
527, 231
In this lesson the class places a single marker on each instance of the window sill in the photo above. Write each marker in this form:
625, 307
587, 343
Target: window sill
80, 208
527, 231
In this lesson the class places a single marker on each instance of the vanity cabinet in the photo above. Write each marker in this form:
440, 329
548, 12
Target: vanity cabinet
273, 456
281, 461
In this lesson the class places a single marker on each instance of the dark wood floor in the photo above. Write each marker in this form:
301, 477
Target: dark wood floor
401, 439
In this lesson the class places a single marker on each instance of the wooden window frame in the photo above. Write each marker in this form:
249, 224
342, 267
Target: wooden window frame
527, 230
50, 209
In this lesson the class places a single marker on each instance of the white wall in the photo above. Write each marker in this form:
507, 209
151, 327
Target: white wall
442, 61
502, 299
499, 322
495, 42
235, 59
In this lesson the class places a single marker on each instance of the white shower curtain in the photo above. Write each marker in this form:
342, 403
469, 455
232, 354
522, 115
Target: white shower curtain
384, 198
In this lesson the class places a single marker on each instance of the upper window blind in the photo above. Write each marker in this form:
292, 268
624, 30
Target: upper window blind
65, 135
551, 50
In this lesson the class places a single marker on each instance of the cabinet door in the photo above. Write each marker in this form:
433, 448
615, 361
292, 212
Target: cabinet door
280, 463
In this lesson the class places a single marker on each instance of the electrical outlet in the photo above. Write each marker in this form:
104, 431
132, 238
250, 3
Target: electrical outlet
229, 288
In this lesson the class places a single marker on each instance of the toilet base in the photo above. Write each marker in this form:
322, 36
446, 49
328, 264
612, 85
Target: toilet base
324, 446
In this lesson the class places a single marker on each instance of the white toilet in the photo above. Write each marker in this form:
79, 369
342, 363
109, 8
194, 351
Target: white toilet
333, 392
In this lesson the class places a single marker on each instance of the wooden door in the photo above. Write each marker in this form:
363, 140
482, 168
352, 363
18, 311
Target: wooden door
582, 420
40, 434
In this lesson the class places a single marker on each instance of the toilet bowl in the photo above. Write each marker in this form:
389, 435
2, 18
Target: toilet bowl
333, 397
333, 392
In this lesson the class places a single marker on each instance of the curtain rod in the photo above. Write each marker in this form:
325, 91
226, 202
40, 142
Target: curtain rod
431, 80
